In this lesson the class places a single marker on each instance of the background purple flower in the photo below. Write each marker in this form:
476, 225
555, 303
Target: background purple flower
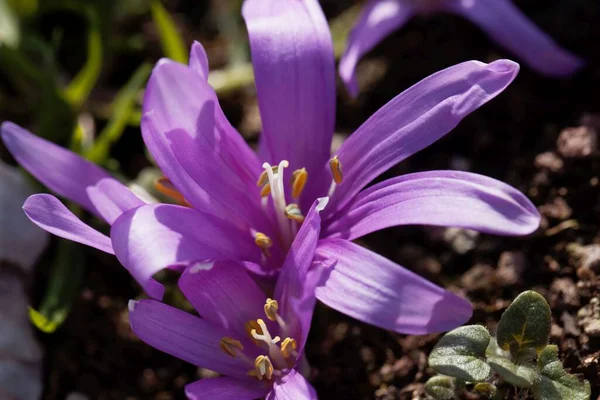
500, 19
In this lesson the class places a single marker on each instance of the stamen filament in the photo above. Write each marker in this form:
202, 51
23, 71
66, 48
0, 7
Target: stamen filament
278, 195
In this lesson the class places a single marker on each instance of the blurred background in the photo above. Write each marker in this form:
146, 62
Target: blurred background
73, 72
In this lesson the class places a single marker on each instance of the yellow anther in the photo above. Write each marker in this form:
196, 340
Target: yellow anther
271, 307
288, 347
264, 177
164, 186
253, 326
264, 242
336, 170
263, 367
266, 190
293, 212
230, 346
299, 178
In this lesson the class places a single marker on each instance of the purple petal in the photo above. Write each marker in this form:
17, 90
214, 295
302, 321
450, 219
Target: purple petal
153, 237
225, 388
294, 291
198, 60
47, 212
222, 292
233, 197
372, 289
293, 386
440, 198
184, 336
508, 26
378, 19
111, 198
61, 170
294, 66
415, 119
177, 100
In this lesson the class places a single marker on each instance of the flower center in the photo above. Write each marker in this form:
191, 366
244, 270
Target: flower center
289, 215
279, 355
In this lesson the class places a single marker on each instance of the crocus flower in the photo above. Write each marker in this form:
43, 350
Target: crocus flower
500, 19
244, 206
253, 340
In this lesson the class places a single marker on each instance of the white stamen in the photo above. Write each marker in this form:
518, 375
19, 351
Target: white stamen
278, 196
331, 189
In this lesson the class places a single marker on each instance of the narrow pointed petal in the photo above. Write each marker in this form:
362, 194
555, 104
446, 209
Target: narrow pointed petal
184, 336
372, 289
233, 197
178, 101
293, 386
438, 198
415, 119
47, 212
378, 19
198, 60
294, 66
226, 388
294, 289
61, 170
111, 198
222, 292
152, 237
510, 28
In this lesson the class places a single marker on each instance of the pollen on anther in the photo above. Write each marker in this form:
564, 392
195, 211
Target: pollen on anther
336, 170
263, 367
264, 242
288, 347
271, 307
230, 346
299, 178
293, 212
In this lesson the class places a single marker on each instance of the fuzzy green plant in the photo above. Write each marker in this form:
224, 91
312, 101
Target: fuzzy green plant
518, 356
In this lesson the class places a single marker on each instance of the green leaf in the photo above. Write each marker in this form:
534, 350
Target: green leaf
522, 376
440, 387
9, 26
23, 8
170, 40
62, 289
525, 324
80, 87
556, 384
460, 353
124, 107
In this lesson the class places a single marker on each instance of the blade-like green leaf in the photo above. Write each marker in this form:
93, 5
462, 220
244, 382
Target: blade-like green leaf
9, 26
63, 287
80, 87
556, 384
123, 109
522, 376
170, 40
525, 324
440, 387
460, 354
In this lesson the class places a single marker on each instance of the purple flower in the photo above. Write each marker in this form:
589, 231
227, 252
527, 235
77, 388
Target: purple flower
500, 19
256, 342
231, 217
